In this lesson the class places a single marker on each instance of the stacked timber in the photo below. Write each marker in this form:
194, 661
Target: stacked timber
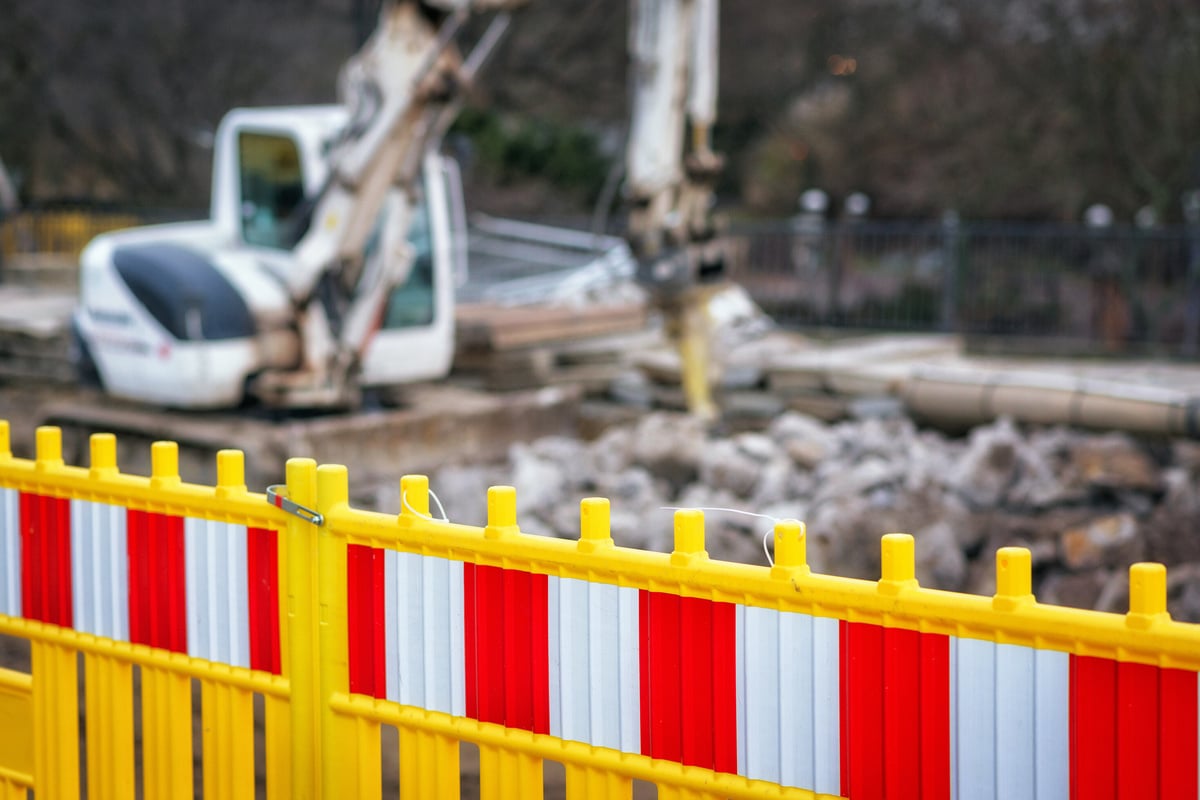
35, 335
529, 346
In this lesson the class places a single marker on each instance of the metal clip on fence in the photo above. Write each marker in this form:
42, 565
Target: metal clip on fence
275, 497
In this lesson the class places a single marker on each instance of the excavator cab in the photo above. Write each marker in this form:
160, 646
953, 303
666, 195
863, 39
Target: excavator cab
198, 315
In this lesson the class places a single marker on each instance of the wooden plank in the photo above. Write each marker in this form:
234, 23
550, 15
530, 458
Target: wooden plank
498, 328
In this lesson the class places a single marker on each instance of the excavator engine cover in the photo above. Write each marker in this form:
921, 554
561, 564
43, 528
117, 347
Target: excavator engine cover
184, 292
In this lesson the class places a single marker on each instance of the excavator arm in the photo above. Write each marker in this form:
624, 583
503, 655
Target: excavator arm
401, 88
397, 89
673, 47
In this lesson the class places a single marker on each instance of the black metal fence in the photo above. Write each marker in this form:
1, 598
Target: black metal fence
1057, 288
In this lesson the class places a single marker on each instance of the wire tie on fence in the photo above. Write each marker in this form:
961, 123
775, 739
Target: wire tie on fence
433, 494
766, 550
275, 496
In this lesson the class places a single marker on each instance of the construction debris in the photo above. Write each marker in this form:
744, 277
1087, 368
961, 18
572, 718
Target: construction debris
1086, 505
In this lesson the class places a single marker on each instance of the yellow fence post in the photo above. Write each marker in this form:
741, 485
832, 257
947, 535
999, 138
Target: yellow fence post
503, 773
689, 537
167, 767
586, 782
227, 712
1014, 578
689, 550
55, 683
898, 567
109, 681
429, 763
300, 659
791, 550
349, 747
1147, 595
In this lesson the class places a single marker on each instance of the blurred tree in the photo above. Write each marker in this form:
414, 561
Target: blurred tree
119, 100
1019, 108
1026, 108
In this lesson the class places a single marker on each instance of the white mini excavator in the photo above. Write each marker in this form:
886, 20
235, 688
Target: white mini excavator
335, 238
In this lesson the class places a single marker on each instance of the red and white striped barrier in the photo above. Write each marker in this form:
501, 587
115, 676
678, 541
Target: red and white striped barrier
832, 706
184, 584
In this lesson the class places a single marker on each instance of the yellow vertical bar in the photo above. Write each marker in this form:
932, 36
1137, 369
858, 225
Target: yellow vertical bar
367, 780
278, 721
428, 766
589, 783
167, 769
504, 774
300, 655
227, 717
55, 721
109, 706
338, 741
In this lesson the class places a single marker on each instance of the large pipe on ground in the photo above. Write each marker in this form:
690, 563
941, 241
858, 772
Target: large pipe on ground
955, 398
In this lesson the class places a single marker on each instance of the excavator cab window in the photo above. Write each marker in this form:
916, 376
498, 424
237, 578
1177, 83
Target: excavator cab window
411, 303
272, 199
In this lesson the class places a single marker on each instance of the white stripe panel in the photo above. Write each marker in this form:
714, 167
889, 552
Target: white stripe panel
1052, 725
953, 718
1014, 754
630, 667
100, 569
976, 729
827, 705
554, 655
218, 605
1010, 721
10, 552
760, 700
426, 659
739, 640
789, 706
595, 679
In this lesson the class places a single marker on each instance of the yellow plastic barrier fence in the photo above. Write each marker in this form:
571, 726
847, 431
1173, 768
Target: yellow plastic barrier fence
58, 231
706, 678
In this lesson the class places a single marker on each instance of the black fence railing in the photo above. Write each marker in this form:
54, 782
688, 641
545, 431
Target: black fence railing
1055, 288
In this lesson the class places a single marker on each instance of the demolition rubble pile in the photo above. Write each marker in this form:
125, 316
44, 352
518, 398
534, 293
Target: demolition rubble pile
1086, 505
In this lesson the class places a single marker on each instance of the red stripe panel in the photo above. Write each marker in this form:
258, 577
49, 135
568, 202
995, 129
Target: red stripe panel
644, 666
901, 713
1137, 730
157, 588
46, 559
470, 651
1093, 728
262, 573
1177, 735
367, 624
1133, 731
935, 716
862, 701
725, 687
688, 680
507, 647
895, 700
